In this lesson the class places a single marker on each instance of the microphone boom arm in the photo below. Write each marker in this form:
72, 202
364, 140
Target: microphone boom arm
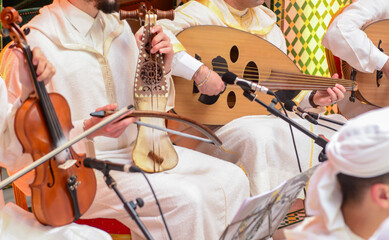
319, 140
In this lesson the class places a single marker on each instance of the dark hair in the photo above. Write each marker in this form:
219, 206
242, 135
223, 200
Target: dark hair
353, 188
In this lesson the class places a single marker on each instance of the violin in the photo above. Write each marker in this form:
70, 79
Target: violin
153, 150
63, 189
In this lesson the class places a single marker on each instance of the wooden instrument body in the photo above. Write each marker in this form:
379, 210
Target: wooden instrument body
153, 150
368, 90
58, 196
245, 54
52, 203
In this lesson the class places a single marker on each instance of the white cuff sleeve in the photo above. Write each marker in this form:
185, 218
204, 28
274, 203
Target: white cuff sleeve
78, 129
382, 59
184, 65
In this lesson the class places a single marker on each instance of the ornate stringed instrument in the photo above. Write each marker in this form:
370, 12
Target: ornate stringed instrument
373, 88
251, 58
63, 189
153, 151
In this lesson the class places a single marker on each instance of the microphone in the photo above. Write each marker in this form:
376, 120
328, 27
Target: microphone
106, 165
317, 116
232, 78
291, 106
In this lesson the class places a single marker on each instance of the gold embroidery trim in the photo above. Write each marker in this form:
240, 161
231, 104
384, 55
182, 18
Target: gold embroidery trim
300, 96
178, 47
213, 8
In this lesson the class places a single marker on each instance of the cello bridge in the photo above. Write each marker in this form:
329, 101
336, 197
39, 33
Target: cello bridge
67, 164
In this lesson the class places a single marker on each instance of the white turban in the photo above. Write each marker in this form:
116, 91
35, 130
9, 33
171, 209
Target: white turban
359, 149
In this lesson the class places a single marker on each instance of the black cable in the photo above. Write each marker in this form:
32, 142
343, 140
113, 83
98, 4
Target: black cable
293, 139
322, 125
137, 169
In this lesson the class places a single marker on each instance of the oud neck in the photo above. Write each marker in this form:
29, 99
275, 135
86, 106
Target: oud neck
290, 81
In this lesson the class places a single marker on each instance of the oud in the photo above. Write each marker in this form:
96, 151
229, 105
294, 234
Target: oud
248, 56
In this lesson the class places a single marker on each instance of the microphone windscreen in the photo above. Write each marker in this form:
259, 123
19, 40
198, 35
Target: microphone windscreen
289, 104
135, 169
229, 77
88, 162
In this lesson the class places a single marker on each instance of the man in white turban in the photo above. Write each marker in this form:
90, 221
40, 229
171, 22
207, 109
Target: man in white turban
349, 194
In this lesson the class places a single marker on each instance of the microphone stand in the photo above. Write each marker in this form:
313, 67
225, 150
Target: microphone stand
128, 206
317, 117
319, 140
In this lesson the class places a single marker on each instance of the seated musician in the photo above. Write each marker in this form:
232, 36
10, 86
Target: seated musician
15, 223
263, 143
347, 41
95, 56
348, 196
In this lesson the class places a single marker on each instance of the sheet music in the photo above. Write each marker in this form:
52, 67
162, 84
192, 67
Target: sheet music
259, 216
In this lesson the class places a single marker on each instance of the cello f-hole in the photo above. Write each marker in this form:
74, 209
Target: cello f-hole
51, 174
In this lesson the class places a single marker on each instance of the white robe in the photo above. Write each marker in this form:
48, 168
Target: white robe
18, 224
3, 114
314, 228
261, 145
347, 41
199, 196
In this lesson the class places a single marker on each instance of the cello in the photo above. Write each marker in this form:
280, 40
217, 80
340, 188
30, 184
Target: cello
63, 189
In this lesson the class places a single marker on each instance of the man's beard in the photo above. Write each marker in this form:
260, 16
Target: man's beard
107, 6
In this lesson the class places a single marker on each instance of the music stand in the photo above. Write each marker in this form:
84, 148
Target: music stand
260, 216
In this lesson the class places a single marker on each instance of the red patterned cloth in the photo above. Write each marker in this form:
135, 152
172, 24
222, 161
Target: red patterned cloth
109, 225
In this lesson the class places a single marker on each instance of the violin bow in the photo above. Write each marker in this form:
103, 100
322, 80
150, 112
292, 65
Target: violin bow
66, 145
212, 138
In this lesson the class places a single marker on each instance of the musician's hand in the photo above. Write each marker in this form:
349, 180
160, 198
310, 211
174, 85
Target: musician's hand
210, 84
161, 43
385, 69
113, 129
44, 71
329, 96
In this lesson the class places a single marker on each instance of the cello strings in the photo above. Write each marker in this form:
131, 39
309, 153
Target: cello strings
54, 127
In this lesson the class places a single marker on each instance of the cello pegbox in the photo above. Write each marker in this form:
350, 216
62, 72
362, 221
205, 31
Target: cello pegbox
10, 16
26, 31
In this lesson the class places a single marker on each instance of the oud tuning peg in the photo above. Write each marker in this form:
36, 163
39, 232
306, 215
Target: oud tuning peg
5, 32
26, 31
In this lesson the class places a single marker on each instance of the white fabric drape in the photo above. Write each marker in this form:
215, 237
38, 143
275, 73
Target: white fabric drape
18, 224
